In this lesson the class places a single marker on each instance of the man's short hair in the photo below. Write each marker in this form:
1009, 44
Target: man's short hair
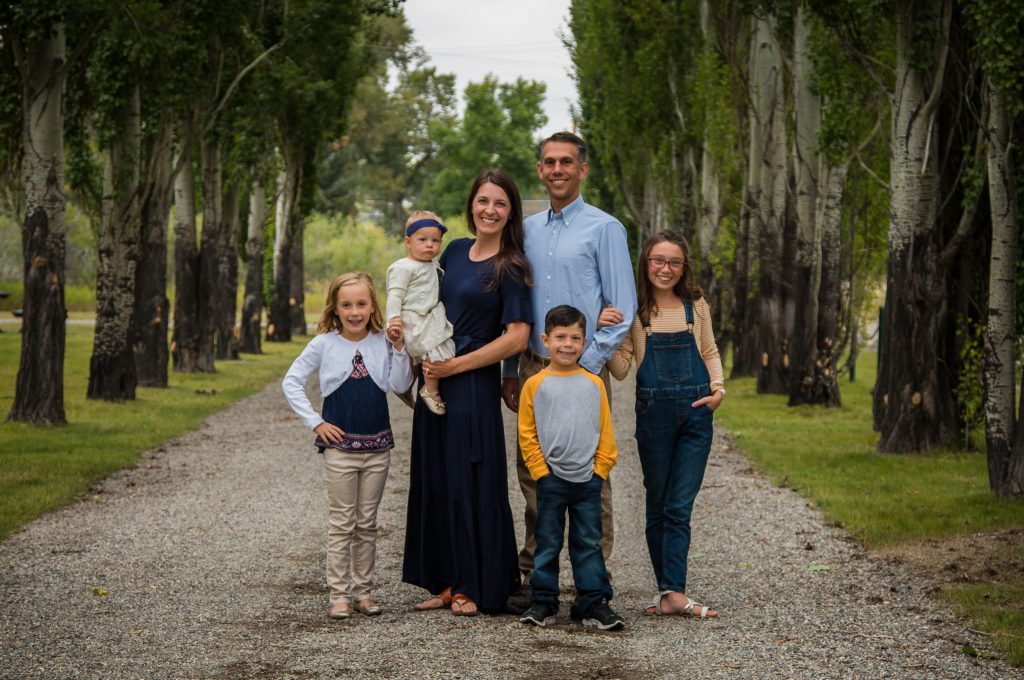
581, 146
564, 315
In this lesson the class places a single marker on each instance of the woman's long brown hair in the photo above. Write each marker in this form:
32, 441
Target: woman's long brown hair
511, 258
685, 288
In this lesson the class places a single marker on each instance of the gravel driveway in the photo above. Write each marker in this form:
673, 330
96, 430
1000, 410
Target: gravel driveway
206, 561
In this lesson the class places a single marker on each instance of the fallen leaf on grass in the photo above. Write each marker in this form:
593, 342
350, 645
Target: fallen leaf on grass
819, 567
100, 592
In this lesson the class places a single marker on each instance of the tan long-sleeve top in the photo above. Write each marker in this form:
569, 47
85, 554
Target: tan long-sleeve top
671, 320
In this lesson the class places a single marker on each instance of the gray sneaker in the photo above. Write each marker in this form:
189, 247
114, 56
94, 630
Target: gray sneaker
539, 615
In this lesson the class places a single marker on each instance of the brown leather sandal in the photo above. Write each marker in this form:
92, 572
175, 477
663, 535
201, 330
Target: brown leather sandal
459, 600
443, 599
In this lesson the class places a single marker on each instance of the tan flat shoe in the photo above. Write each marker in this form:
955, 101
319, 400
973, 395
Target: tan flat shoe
340, 610
368, 607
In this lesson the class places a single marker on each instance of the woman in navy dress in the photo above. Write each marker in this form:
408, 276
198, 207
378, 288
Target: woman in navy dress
460, 542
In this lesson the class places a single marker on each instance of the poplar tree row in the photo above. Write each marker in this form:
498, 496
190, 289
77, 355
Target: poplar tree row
811, 150
221, 109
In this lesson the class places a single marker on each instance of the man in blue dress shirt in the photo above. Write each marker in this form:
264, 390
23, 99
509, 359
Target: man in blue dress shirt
580, 257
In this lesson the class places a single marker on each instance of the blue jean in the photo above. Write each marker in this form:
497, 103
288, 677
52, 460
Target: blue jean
673, 440
582, 500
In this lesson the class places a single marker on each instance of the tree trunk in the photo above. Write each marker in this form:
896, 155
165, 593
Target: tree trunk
913, 404
252, 304
748, 311
808, 251
296, 281
829, 218
39, 387
710, 213
112, 366
186, 273
1000, 332
771, 210
211, 293
744, 342
1015, 474
227, 274
279, 323
150, 317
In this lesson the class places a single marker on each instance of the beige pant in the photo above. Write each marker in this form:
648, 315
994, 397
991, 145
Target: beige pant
528, 368
355, 485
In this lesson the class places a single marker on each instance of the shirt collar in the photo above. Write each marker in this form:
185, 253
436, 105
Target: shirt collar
568, 212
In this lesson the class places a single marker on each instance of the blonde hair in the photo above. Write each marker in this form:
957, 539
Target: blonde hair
421, 215
330, 321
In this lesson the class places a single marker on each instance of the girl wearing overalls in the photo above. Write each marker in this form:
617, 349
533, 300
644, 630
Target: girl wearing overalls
679, 384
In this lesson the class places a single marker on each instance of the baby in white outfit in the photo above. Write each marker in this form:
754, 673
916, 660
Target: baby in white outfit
413, 286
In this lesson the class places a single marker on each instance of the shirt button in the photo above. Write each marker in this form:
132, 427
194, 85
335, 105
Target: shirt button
549, 277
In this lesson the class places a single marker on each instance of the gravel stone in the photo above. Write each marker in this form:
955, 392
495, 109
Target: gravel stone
206, 560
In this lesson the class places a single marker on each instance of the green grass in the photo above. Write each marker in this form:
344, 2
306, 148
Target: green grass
995, 609
77, 298
829, 456
44, 468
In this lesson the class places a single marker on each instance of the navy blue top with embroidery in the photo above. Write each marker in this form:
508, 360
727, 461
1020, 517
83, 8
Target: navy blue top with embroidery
360, 409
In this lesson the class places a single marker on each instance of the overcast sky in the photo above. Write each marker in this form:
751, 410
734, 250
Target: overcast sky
508, 38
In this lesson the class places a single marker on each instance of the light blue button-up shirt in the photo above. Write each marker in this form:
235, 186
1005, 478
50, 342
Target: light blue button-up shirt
580, 257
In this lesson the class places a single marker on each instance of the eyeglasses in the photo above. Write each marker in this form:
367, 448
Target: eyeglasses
658, 262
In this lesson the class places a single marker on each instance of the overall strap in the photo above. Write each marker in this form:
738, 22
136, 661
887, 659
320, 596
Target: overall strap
688, 305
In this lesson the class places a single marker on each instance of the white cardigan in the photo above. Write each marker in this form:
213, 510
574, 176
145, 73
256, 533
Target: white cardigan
332, 354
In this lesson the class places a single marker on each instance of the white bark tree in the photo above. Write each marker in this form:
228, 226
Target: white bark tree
186, 270
39, 387
252, 303
769, 196
112, 366
913, 409
1005, 465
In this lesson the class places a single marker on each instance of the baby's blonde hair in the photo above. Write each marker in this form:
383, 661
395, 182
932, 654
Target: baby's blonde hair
330, 321
421, 215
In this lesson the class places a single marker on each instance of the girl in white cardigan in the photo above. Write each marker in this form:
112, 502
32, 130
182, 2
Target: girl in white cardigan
413, 287
357, 365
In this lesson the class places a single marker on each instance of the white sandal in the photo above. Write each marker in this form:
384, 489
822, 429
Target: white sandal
687, 611
657, 601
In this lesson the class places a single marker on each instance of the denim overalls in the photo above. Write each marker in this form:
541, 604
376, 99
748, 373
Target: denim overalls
674, 440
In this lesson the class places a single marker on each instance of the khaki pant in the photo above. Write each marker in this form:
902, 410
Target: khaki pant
355, 485
528, 368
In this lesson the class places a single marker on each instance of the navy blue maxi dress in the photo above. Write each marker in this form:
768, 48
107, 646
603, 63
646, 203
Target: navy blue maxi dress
459, 529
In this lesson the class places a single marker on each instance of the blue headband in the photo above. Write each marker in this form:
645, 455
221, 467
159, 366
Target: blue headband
423, 224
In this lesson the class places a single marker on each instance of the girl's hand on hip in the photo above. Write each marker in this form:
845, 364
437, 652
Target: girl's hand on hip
328, 432
712, 401
442, 369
